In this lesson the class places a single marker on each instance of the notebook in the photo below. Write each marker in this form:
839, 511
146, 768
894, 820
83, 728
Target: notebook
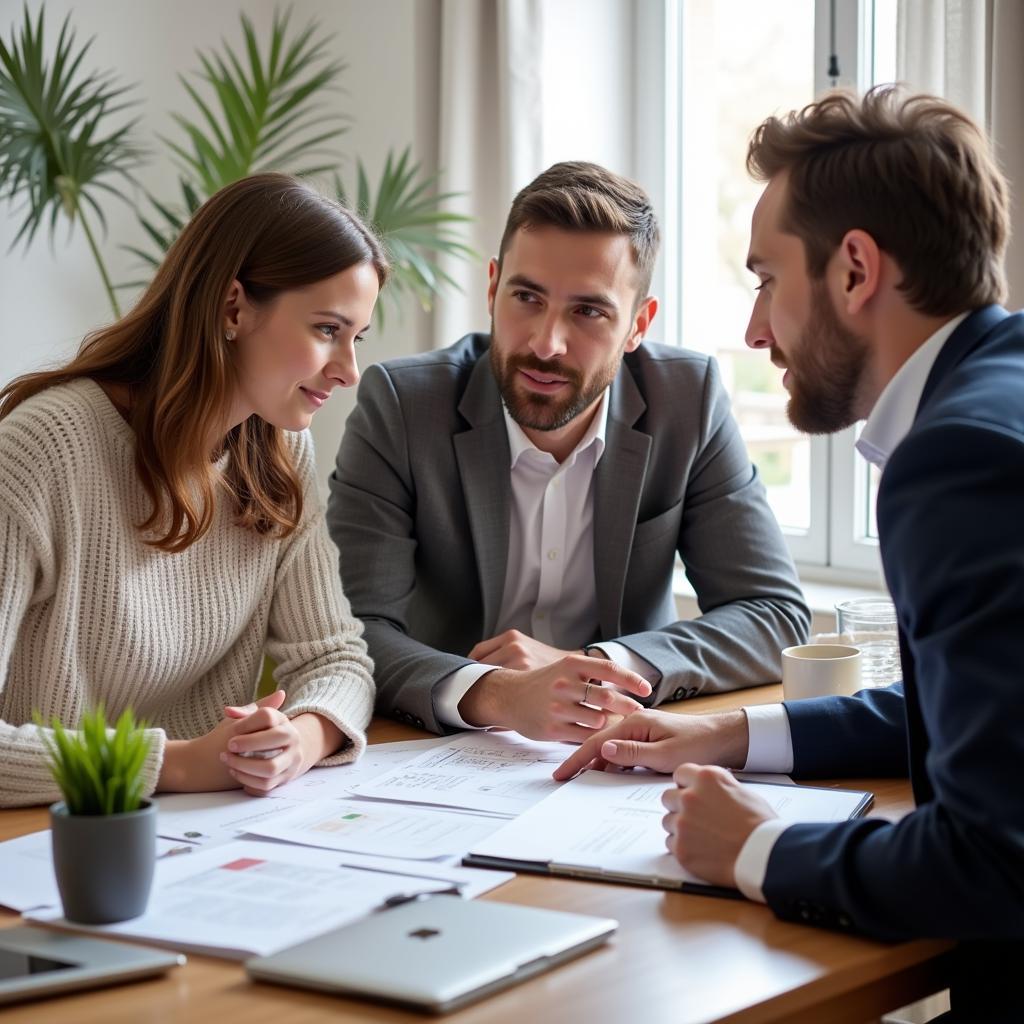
606, 826
435, 954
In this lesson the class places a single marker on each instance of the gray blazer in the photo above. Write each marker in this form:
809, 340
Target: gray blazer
419, 509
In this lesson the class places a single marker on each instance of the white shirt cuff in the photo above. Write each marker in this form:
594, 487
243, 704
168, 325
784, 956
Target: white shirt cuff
630, 660
447, 694
752, 863
770, 746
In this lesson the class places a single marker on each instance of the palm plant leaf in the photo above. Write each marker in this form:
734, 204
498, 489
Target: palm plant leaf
261, 116
56, 150
408, 216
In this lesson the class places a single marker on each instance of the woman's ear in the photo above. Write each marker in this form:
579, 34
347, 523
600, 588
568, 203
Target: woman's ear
235, 310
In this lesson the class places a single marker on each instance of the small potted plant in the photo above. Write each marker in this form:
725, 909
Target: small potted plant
104, 831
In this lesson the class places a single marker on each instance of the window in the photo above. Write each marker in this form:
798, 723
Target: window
725, 65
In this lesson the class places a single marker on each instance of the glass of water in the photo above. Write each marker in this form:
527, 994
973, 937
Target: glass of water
869, 624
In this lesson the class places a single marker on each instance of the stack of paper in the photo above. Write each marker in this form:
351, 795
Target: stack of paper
252, 898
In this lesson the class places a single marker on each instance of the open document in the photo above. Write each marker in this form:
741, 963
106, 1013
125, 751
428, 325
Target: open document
383, 829
252, 897
499, 773
607, 826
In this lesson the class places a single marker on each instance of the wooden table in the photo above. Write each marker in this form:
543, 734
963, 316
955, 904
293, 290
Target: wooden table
676, 958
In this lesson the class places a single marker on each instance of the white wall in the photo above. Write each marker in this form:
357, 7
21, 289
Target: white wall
51, 298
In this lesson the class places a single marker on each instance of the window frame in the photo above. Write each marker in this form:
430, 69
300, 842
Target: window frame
836, 546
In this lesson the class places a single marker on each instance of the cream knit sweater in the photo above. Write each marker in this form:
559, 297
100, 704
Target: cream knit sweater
90, 613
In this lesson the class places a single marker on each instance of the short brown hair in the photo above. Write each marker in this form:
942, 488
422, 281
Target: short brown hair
914, 172
577, 196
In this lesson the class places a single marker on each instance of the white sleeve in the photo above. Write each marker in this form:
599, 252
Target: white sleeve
770, 747
752, 863
450, 690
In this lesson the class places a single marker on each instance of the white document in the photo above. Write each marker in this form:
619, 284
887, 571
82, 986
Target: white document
207, 819
608, 825
380, 828
27, 881
470, 882
495, 772
338, 781
250, 897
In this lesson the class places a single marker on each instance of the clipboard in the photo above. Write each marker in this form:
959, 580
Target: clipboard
606, 827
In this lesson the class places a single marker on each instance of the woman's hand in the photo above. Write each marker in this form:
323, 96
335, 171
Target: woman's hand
269, 749
255, 747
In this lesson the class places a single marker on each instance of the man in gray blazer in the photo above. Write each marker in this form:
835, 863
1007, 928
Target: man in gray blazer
509, 509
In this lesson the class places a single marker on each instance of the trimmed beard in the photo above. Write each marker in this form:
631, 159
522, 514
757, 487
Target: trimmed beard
534, 411
826, 370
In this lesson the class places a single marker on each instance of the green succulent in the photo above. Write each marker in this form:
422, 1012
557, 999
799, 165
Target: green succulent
97, 768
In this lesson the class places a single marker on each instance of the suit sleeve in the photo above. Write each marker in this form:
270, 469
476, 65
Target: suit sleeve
862, 735
950, 514
371, 517
736, 558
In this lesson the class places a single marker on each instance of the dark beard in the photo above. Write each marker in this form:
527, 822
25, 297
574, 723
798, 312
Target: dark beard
547, 412
826, 371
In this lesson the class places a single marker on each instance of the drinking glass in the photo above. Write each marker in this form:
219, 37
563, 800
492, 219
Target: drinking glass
869, 624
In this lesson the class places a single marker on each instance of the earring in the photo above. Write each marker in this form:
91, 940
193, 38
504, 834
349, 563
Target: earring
229, 335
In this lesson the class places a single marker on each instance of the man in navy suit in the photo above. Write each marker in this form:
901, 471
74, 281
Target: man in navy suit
878, 244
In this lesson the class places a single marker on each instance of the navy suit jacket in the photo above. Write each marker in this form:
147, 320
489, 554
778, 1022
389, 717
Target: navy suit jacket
951, 529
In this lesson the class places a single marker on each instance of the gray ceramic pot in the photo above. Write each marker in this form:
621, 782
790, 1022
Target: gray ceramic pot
104, 862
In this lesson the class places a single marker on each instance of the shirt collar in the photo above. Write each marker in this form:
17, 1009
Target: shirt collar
519, 443
894, 412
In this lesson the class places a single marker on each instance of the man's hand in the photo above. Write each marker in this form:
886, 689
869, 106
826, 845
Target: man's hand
710, 817
513, 649
662, 741
548, 703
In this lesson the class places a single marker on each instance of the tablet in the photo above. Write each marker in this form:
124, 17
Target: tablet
35, 962
435, 954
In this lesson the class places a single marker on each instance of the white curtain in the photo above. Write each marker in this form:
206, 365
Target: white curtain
969, 51
490, 135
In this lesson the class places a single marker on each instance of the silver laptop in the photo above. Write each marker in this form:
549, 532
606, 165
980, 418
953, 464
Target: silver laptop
435, 954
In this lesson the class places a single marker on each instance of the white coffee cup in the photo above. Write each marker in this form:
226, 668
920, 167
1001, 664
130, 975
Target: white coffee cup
820, 670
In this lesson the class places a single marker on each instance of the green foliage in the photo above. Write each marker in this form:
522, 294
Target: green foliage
407, 216
55, 147
98, 770
163, 227
256, 109
268, 116
265, 117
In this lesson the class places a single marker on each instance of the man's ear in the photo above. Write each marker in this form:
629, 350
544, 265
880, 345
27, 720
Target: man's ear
857, 271
493, 273
645, 313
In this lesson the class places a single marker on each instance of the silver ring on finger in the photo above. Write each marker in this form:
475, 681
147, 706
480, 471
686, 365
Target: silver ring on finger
586, 692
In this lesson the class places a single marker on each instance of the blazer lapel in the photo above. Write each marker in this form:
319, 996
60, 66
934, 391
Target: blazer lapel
964, 340
484, 462
618, 482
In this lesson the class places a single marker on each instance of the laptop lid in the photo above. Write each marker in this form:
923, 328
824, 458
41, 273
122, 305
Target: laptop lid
435, 954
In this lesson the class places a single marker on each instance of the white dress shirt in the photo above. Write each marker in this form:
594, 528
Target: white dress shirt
771, 743
550, 590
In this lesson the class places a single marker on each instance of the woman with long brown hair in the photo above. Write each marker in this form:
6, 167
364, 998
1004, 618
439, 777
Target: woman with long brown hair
160, 522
